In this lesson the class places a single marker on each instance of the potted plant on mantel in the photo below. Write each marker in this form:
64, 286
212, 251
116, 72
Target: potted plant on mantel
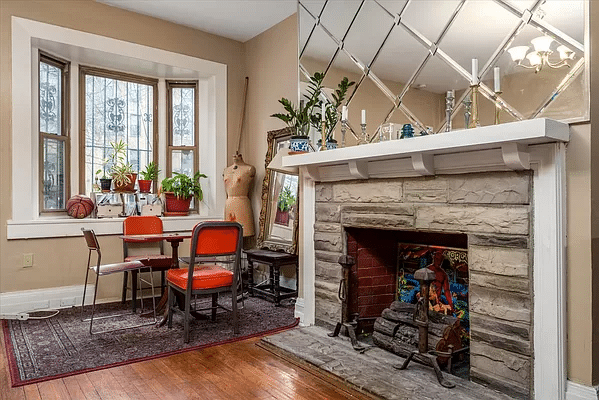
121, 171
331, 111
300, 119
149, 175
178, 191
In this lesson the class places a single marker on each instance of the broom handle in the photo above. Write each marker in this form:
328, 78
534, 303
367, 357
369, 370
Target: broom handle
245, 90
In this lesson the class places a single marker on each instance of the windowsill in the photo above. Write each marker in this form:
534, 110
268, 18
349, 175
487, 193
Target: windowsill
52, 227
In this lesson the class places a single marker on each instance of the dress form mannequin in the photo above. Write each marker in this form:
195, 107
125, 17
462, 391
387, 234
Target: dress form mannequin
238, 180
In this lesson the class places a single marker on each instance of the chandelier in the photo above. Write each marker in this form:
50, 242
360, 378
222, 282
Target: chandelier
540, 55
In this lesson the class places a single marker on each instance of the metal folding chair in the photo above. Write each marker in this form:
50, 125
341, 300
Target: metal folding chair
107, 269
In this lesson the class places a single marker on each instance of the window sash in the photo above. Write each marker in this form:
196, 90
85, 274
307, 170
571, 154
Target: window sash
174, 124
55, 173
135, 155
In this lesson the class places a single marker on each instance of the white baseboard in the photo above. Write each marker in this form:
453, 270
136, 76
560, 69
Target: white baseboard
576, 391
299, 309
40, 299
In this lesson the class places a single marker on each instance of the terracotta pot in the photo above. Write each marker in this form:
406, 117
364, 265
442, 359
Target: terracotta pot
129, 187
145, 185
174, 204
282, 217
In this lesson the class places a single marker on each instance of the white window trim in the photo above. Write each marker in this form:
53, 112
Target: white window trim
26, 221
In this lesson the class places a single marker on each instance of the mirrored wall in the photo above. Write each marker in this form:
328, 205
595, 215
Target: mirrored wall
406, 55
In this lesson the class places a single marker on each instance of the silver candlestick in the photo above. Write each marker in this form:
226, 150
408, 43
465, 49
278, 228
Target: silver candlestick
343, 130
467, 105
449, 105
497, 108
363, 136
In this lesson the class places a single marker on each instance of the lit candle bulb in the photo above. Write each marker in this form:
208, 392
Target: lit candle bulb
363, 116
497, 80
475, 71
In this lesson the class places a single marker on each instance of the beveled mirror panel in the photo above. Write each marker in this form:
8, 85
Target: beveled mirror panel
405, 55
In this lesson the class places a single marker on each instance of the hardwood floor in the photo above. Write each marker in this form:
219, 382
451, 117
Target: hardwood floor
240, 370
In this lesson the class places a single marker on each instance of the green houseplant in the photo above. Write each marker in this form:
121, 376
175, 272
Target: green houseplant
121, 171
149, 175
300, 118
179, 189
331, 110
285, 202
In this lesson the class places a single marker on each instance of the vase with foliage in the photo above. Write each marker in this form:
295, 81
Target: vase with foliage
148, 175
178, 191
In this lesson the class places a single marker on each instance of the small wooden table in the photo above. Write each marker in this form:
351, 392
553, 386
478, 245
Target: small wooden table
174, 239
271, 290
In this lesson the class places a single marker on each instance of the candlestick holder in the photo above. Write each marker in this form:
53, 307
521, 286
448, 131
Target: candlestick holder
363, 136
467, 112
475, 123
343, 130
497, 108
323, 130
449, 105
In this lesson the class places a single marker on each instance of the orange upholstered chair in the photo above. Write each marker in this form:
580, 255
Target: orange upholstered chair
149, 252
220, 239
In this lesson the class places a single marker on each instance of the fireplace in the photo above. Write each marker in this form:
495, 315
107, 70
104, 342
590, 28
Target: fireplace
501, 187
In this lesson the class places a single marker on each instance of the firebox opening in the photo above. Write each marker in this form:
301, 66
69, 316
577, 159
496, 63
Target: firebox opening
383, 294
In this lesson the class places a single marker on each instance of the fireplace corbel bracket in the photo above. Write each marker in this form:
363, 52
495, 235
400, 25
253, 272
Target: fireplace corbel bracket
350, 324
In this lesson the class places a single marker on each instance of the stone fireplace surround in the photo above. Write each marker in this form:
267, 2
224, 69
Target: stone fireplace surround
501, 185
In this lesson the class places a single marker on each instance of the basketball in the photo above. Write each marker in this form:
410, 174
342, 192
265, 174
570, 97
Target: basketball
80, 206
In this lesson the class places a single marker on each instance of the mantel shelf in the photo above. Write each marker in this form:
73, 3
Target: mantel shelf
488, 148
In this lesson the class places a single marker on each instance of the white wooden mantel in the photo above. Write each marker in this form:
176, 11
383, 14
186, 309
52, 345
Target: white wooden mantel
490, 148
538, 145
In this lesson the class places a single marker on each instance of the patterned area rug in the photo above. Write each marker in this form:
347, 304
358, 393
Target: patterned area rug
60, 346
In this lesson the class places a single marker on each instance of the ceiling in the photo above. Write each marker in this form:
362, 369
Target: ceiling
239, 20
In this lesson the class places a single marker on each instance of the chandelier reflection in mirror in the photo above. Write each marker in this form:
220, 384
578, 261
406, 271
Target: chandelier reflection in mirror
405, 55
540, 55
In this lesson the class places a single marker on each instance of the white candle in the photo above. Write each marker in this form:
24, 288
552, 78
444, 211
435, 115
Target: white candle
497, 80
363, 116
323, 113
344, 113
475, 71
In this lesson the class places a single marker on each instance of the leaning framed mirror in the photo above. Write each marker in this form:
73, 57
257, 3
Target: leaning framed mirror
279, 212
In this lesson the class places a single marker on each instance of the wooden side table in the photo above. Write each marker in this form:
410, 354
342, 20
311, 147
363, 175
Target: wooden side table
271, 290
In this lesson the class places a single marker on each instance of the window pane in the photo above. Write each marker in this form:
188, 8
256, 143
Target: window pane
183, 162
117, 110
183, 100
50, 98
54, 188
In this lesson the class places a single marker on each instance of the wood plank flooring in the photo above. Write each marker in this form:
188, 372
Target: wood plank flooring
240, 370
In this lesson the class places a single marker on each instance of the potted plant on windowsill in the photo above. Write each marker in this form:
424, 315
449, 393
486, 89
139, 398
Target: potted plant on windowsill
178, 191
149, 175
121, 171
300, 118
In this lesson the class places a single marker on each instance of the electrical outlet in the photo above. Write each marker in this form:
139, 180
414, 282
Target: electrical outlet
27, 260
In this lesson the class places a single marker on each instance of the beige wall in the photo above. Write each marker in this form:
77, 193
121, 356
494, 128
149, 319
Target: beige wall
57, 262
271, 65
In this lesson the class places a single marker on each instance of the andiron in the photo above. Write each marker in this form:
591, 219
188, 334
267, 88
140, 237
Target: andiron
425, 276
348, 321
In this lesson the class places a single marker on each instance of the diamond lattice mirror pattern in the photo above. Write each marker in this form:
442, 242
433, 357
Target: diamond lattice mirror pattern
406, 56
